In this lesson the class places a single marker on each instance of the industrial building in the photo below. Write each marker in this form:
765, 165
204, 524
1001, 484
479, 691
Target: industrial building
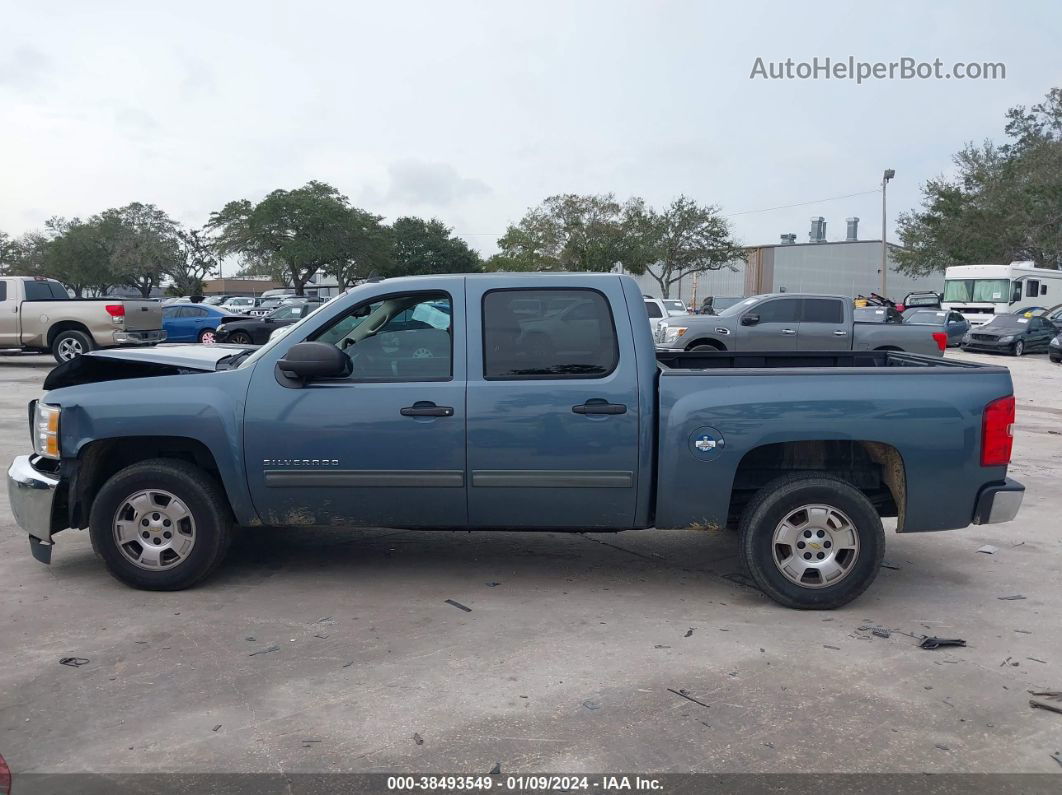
839, 267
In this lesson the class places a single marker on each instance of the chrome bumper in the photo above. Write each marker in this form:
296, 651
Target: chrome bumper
32, 495
998, 504
138, 337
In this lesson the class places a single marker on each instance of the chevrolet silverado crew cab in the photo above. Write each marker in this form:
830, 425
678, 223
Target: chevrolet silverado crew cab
39, 315
512, 401
792, 322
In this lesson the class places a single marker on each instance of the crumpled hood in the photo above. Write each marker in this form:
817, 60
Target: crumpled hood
121, 363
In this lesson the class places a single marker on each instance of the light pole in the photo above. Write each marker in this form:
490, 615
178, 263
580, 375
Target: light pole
885, 177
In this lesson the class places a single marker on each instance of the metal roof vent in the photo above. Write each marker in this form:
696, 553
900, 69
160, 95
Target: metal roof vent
818, 230
853, 229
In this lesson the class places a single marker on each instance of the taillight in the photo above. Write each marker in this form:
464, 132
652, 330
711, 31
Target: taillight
5, 778
941, 340
115, 310
997, 432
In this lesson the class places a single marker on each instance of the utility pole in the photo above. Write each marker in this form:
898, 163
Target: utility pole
885, 177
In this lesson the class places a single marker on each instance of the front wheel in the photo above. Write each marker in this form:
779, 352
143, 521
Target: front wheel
1019, 348
240, 338
160, 525
812, 542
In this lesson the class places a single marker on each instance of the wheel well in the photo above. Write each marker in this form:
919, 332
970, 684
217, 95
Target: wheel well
713, 343
876, 469
68, 325
98, 461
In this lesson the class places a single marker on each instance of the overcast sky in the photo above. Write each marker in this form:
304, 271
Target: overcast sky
472, 112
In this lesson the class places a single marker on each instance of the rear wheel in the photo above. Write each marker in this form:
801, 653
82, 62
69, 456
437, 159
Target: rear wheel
160, 525
1019, 347
69, 345
812, 541
240, 338
206, 336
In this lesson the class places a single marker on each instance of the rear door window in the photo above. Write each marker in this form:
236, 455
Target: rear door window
825, 310
567, 334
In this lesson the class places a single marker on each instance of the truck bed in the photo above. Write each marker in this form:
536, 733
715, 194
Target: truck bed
753, 360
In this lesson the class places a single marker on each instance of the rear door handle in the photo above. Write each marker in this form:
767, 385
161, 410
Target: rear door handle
425, 408
788, 331
840, 333
598, 406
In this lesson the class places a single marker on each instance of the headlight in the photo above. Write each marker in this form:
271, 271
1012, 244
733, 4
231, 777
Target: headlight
966, 337
672, 333
46, 430
219, 329
1008, 338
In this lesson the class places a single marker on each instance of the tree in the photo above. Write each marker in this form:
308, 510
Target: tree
78, 254
303, 231
367, 249
566, 232
8, 248
196, 262
428, 247
683, 239
1003, 204
143, 243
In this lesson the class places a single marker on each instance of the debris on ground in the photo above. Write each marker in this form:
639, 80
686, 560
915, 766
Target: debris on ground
325, 620
835, 648
1037, 659
880, 632
941, 747
1051, 700
493, 584
73, 662
251, 638
988, 549
1015, 663
319, 635
936, 643
458, 605
661, 646
347, 665
689, 633
264, 651
591, 705
1057, 756
1013, 598
308, 743
216, 728
886, 565
418, 739
494, 771
685, 694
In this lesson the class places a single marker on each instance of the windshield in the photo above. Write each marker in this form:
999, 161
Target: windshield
738, 308
1007, 323
675, 307
925, 318
978, 290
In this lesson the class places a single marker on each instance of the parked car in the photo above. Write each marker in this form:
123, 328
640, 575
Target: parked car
793, 322
950, 322
243, 330
1014, 334
39, 315
877, 314
1053, 315
241, 303
463, 421
265, 306
923, 299
1055, 349
194, 323
216, 300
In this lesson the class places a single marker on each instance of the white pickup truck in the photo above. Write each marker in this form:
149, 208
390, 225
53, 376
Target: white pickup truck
38, 314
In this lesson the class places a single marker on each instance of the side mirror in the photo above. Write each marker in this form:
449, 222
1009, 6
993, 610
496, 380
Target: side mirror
750, 320
267, 319
309, 360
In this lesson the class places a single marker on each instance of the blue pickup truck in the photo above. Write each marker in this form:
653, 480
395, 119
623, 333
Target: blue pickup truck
509, 401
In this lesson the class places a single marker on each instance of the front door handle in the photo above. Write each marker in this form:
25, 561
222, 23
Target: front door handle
598, 406
425, 408
840, 333
788, 331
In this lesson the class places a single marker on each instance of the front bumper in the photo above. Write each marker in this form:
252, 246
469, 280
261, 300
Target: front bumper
988, 347
999, 503
32, 493
139, 337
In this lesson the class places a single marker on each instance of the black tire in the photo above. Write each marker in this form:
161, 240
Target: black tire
703, 348
72, 340
206, 504
774, 502
1019, 348
240, 338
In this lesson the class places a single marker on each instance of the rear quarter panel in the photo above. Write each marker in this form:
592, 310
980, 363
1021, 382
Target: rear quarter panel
910, 338
932, 417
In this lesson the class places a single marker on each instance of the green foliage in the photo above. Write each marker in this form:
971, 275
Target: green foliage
196, 262
1004, 204
428, 247
143, 243
682, 239
304, 230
